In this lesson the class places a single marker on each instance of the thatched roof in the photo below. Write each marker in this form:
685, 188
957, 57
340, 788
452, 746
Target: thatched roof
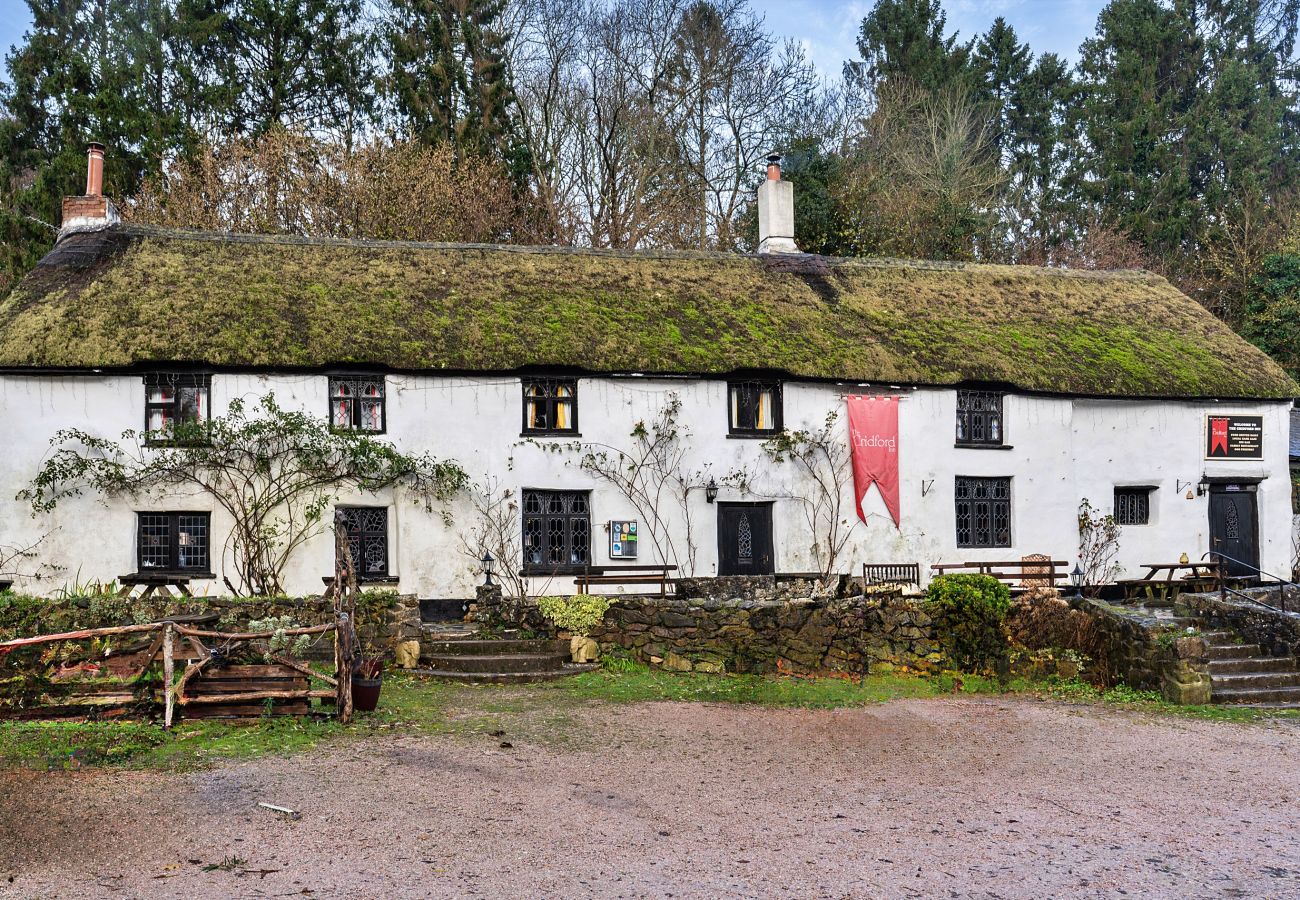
131, 296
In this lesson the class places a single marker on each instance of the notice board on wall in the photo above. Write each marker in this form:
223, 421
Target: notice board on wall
1234, 437
622, 540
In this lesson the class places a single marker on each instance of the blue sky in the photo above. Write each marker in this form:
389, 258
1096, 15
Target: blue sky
828, 29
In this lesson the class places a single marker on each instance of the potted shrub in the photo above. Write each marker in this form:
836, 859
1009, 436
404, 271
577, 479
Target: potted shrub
579, 615
367, 681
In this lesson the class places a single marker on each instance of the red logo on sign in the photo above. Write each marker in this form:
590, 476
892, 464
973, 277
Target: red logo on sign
1218, 437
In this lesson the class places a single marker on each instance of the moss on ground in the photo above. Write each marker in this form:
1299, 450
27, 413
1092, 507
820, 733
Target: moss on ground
135, 295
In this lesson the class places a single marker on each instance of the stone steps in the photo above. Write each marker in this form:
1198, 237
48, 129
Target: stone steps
1242, 680
1251, 664
1255, 696
505, 677
498, 663
1234, 651
480, 647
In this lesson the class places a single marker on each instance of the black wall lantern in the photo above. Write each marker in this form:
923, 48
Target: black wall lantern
711, 490
487, 567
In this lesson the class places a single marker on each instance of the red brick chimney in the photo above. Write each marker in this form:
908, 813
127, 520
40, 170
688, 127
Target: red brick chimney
93, 211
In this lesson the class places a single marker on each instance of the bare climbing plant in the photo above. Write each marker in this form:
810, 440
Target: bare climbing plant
823, 488
657, 479
497, 530
1098, 547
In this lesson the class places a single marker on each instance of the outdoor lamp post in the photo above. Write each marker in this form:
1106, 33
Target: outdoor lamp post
1076, 579
711, 490
487, 567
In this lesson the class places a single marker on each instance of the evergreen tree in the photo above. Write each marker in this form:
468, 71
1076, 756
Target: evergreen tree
449, 80
1000, 64
905, 39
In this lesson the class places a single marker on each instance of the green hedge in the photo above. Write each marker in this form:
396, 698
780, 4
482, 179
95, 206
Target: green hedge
969, 614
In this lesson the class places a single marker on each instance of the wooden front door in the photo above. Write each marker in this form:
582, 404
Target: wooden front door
745, 539
1233, 528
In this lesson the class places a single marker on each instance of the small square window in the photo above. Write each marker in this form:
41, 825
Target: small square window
550, 405
755, 407
1133, 505
173, 542
175, 402
357, 404
979, 419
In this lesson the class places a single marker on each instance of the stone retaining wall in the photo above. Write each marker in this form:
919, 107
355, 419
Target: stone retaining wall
1276, 632
1148, 654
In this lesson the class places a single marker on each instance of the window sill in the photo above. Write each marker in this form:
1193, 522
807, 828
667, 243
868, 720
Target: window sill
173, 574
386, 579
565, 572
551, 434
961, 446
336, 430
754, 436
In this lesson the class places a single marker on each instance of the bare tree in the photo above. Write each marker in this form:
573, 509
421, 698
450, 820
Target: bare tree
496, 530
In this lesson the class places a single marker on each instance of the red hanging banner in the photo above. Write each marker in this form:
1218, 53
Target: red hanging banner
873, 441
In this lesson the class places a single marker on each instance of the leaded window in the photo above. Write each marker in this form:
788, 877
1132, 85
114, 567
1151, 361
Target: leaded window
1132, 505
357, 403
557, 531
979, 418
550, 405
173, 542
174, 401
983, 512
755, 407
367, 528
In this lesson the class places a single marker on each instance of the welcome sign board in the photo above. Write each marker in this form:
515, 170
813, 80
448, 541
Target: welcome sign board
1234, 437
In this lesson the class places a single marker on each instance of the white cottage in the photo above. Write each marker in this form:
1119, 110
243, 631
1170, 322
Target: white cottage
1021, 391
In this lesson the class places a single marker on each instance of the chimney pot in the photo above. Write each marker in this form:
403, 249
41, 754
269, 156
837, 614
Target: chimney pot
774, 167
94, 170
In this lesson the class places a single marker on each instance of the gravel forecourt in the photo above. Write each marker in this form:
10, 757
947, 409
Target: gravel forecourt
1000, 797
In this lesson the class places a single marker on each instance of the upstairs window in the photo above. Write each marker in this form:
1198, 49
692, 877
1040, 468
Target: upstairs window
755, 407
550, 405
367, 528
557, 531
1133, 505
173, 401
173, 542
979, 419
983, 512
357, 404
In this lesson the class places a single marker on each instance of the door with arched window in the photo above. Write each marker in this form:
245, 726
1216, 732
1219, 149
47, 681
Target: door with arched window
745, 539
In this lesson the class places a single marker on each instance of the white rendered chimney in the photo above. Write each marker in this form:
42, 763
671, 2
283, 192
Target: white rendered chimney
776, 211
92, 211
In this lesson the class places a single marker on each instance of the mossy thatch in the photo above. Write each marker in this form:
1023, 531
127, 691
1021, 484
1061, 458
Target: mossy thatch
133, 296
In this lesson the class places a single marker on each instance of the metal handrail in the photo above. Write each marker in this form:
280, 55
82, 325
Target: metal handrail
1224, 590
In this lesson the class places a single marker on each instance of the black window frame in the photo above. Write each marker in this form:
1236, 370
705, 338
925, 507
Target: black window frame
355, 402
979, 412
1135, 509
173, 565
742, 403
173, 407
972, 498
360, 539
550, 401
539, 512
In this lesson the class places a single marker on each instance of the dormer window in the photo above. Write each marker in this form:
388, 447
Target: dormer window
979, 419
357, 403
173, 401
550, 405
755, 408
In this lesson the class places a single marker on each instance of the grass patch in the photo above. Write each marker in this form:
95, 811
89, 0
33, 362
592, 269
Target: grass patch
1125, 697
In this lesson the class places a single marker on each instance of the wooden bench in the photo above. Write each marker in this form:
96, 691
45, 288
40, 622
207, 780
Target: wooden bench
899, 573
1019, 574
648, 574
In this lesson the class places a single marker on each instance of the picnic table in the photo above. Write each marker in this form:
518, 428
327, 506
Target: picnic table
1162, 581
152, 582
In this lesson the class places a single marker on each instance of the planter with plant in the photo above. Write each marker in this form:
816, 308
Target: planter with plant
579, 615
367, 682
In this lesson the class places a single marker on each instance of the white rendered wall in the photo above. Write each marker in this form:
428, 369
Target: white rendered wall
1060, 451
